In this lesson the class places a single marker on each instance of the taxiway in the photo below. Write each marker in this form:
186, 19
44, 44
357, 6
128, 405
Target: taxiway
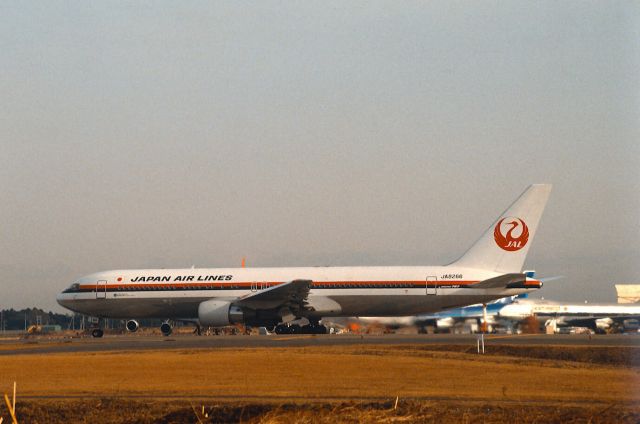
142, 343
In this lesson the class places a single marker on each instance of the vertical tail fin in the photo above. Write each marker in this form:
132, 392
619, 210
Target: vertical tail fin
504, 246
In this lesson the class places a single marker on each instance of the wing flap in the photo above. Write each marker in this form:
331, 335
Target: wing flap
292, 292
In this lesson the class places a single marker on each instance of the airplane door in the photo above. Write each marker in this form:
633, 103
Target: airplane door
101, 289
432, 287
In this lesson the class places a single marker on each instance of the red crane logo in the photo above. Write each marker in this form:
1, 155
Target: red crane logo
508, 241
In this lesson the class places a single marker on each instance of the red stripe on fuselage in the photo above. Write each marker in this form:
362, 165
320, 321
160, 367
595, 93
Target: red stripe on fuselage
264, 285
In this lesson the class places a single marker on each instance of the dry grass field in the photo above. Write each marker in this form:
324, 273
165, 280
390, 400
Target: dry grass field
428, 382
440, 412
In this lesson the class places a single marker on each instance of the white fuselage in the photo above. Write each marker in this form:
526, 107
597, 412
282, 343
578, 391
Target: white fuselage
546, 309
336, 291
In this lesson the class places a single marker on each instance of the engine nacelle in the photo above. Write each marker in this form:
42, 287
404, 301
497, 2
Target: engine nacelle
219, 313
132, 326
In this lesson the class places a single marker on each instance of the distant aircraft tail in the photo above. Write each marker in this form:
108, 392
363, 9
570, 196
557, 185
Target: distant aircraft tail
504, 246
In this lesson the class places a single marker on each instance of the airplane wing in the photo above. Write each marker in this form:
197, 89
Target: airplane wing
506, 281
591, 321
293, 294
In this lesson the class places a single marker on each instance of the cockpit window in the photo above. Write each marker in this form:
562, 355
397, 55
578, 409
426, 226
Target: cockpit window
72, 288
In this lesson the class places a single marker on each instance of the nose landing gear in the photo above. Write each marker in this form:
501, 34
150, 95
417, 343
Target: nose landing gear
96, 331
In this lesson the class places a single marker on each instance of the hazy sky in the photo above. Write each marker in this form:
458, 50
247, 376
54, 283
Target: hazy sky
171, 134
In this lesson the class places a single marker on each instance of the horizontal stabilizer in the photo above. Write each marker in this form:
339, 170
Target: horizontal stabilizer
505, 281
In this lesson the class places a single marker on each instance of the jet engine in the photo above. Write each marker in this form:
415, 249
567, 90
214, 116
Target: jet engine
132, 325
218, 313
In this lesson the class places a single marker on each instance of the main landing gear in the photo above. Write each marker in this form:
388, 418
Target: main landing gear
311, 328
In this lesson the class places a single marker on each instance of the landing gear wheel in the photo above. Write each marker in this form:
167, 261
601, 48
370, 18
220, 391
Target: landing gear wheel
314, 329
281, 329
97, 333
289, 329
295, 329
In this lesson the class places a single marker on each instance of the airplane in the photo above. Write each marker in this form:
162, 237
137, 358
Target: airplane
281, 298
447, 320
482, 315
600, 318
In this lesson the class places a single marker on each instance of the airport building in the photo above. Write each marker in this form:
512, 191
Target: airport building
628, 293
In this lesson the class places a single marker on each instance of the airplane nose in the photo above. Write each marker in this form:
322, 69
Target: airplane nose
62, 301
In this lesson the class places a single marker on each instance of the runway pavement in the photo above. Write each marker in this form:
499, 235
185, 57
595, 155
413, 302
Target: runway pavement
135, 342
